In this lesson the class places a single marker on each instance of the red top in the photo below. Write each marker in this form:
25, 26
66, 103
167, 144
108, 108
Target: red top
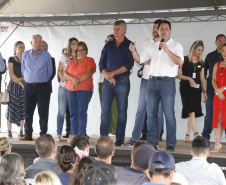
220, 105
77, 70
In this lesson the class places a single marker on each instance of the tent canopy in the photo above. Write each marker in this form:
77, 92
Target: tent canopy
75, 10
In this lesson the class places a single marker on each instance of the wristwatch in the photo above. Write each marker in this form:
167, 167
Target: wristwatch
224, 87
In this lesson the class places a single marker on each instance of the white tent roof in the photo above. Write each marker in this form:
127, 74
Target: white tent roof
68, 10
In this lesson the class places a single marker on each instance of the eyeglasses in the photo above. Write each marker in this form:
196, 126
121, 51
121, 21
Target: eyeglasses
44, 46
81, 50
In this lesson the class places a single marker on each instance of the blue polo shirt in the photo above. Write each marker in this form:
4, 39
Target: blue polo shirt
113, 57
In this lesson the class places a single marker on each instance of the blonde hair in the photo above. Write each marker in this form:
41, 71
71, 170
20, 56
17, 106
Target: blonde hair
193, 47
46, 178
68, 54
4, 144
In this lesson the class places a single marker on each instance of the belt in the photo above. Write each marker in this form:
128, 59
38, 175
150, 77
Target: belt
160, 77
116, 77
35, 83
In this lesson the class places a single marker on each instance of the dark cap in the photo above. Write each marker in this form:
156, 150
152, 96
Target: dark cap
99, 173
142, 155
165, 158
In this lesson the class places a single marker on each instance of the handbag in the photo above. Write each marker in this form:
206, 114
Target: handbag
4, 96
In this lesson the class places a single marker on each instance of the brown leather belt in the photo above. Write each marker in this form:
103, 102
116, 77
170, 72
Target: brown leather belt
35, 83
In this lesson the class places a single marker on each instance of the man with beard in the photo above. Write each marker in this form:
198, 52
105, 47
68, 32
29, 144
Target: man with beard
142, 110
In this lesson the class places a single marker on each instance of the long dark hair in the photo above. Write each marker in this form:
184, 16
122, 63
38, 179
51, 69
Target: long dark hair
15, 45
66, 158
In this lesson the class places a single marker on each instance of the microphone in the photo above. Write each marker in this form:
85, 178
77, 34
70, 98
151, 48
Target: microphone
163, 38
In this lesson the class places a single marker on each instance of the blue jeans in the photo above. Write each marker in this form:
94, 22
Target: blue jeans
141, 111
78, 102
62, 107
209, 114
160, 121
163, 90
121, 92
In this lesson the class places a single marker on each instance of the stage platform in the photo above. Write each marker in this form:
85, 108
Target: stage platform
122, 155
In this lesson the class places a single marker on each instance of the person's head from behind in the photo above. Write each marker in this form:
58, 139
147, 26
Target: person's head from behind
161, 167
109, 38
80, 144
44, 45
5, 146
66, 158
220, 41
200, 147
45, 146
136, 145
46, 178
12, 169
141, 156
79, 169
99, 173
105, 147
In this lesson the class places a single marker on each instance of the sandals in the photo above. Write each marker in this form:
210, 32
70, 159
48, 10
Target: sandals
186, 141
196, 134
10, 136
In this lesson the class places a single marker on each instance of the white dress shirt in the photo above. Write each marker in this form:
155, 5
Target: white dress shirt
146, 68
161, 64
199, 171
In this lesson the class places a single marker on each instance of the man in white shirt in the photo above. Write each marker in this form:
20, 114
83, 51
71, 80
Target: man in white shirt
142, 110
198, 170
165, 56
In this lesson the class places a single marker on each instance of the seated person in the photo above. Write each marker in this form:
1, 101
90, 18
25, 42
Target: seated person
66, 159
80, 144
105, 149
46, 149
198, 170
46, 178
5, 146
99, 173
161, 168
137, 172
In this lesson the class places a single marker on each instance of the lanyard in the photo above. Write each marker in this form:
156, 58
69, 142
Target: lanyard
195, 65
18, 59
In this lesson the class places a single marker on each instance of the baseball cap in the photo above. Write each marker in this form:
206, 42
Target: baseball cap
99, 173
142, 155
165, 158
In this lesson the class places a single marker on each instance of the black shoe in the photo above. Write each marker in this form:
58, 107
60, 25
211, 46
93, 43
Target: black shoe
66, 136
87, 136
118, 143
143, 138
161, 139
170, 149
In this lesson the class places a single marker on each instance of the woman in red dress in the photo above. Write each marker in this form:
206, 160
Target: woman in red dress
219, 102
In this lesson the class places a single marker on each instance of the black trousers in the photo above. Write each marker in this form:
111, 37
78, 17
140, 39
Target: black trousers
37, 95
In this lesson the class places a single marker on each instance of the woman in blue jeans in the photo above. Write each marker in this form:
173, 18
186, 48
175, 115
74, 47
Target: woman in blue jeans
62, 92
79, 88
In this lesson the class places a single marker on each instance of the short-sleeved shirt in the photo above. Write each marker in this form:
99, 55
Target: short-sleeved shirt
65, 61
16, 66
189, 69
77, 70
